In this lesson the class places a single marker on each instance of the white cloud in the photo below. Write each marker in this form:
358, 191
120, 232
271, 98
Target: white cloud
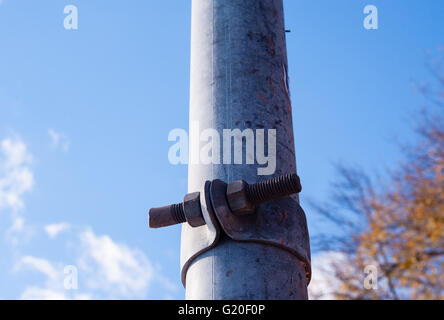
40, 265
34, 293
120, 270
54, 285
324, 282
53, 230
83, 296
18, 224
59, 140
53, 288
16, 179
106, 269
16, 176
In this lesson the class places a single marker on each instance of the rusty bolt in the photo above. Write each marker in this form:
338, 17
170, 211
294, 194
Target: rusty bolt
187, 211
192, 210
166, 216
238, 199
243, 197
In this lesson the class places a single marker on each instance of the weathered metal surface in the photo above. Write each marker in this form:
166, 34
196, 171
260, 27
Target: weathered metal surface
265, 273
239, 80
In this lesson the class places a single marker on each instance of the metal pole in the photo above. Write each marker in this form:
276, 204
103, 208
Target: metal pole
239, 80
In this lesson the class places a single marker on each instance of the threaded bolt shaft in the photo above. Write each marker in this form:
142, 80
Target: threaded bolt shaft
178, 213
273, 189
167, 216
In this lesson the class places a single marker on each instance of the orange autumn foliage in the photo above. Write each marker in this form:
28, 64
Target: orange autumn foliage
400, 227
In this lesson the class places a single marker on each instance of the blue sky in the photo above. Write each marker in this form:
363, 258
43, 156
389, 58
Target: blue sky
85, 117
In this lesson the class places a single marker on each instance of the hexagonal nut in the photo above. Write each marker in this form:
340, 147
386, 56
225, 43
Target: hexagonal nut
192, 209
237, 198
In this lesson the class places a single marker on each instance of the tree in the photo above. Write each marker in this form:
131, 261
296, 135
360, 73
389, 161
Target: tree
397, 227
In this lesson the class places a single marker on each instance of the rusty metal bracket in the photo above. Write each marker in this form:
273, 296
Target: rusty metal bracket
281, 223
200, 239
263, 213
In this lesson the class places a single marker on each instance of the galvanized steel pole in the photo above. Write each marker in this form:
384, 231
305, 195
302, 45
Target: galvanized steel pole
239, 80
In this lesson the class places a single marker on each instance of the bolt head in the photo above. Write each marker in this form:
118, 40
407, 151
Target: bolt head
237, 198
192, 209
